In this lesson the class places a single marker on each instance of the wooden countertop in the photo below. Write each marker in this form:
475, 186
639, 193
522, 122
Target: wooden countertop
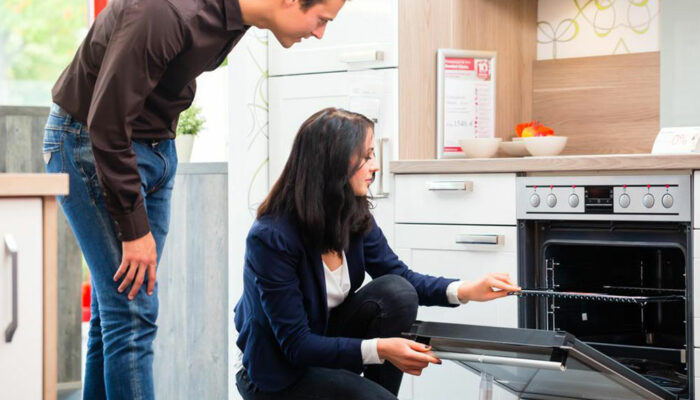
33, 185
612, 162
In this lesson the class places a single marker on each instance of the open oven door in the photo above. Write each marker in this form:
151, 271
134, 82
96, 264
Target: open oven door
537, 364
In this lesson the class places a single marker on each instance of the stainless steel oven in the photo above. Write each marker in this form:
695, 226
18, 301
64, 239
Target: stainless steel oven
606, 309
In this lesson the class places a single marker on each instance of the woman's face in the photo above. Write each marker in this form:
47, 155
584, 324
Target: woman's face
364, 176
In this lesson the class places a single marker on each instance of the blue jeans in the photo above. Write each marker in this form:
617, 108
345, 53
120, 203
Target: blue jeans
119, 361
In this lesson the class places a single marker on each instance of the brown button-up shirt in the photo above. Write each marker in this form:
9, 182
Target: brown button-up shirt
130, 79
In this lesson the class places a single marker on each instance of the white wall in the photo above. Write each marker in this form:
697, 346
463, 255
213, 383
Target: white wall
214, 98
247, 156
583, 28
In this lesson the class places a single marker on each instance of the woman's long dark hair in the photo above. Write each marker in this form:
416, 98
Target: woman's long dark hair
315, 183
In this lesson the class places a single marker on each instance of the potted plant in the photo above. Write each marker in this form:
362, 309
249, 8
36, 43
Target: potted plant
188, 126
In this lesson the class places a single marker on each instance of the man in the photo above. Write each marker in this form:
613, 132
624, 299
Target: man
111, 128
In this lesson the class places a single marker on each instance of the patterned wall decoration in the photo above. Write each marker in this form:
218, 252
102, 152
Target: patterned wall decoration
247, 156
584, 28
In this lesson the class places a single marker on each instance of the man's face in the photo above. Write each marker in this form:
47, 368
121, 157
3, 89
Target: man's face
294, 24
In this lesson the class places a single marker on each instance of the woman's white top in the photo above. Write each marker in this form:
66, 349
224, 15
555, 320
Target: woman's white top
337, 283
337, 290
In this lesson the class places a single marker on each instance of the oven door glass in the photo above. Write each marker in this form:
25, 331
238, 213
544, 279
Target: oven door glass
537, 364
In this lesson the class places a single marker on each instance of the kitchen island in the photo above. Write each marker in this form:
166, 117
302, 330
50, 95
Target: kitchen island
29, 290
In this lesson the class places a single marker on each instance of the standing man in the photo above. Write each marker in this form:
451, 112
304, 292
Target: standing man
111, 129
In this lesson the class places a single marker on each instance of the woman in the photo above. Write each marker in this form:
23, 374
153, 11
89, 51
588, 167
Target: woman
305, 330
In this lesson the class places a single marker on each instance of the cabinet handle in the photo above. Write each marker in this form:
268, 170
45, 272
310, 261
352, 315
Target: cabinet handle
495, 240
466, 186
362, 56
381, 194
514, 362
11, 246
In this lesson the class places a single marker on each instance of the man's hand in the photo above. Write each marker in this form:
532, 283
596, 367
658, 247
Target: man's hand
138, 256
408, 356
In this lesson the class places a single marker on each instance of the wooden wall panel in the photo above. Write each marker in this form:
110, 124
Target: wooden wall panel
506, 26
604, 105
424, 26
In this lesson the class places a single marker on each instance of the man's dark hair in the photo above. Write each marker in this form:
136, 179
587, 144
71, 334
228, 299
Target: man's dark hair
314, 185
306, 4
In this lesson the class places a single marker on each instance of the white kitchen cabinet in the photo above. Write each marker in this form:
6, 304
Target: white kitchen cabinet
20, 242
28, 285
457, 226
372, 93
485, 199
443, 250
459, 251
365, 35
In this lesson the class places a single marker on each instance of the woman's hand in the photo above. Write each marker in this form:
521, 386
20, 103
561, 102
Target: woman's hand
490, 286
408, 356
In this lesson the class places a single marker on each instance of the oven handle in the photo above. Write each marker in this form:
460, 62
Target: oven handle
465, 186
493, 240
514, 362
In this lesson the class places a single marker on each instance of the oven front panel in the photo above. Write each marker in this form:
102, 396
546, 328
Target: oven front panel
604, 198
621, 287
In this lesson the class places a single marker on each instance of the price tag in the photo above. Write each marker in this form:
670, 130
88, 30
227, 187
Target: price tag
677, 140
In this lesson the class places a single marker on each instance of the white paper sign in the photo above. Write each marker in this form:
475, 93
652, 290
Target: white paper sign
466, 98
677, 140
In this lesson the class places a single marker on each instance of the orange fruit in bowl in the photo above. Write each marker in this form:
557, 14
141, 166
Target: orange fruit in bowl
521, 127
529, 131
533, 129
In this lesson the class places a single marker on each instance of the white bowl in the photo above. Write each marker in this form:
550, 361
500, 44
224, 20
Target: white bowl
545, 145
480, 147
516, 148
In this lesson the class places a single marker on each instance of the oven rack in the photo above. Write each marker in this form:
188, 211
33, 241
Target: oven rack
599, 296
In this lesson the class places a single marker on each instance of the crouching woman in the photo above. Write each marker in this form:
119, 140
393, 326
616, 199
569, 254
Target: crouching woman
306, 327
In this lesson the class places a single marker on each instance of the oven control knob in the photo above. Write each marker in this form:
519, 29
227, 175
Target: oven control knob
551, 200
624, 200
573, 200
667, 200
648, 200
535, 200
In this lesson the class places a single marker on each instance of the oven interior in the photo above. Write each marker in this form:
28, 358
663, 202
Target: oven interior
619, 287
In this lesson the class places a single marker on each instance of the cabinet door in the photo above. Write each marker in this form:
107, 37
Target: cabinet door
459, 251
364, 35
372, 93
21, 358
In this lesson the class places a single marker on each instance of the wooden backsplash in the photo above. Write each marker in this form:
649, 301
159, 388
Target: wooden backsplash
506, 26
604, 105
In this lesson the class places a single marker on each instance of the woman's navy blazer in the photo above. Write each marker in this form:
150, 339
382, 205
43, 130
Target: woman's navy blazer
282, 315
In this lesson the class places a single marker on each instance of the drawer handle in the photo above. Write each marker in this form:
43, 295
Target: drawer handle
465, 186
362, 56
493, 240
12, 248
515, 362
